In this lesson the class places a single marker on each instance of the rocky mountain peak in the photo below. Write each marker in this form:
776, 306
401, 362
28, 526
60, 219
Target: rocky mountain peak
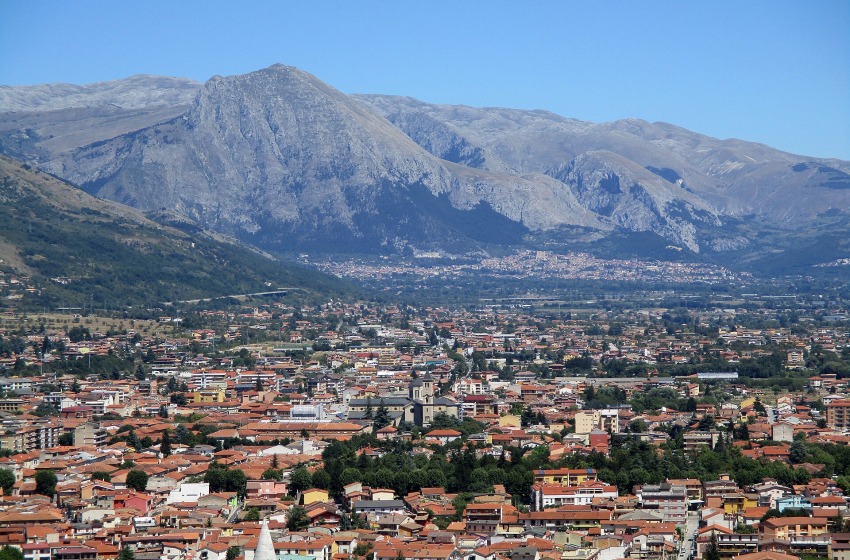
283, 160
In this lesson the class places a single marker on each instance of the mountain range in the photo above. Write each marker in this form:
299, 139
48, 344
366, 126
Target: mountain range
74, 249
283, 161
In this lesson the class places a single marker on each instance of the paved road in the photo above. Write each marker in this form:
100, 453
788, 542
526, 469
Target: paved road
690, 532
279, 291
233, 515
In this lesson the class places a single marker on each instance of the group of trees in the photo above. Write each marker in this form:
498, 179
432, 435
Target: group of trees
642, 401
11, 344
224, 479
629, 463
11, 553
453, 469
175, 391
458, 469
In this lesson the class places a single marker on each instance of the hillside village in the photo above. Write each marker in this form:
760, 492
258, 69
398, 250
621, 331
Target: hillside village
354, 430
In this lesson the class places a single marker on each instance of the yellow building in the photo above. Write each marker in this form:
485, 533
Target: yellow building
313, 495
734, 504
510, 421
211, 395
564, 477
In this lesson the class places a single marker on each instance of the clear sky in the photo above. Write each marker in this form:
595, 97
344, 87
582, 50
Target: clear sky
771, 71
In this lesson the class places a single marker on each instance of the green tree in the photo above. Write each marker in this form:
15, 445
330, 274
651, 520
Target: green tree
528, 417
298, 519
133, 440
321, 479
44, 409
382, 417
798, 452
742, 432
272, 474
78, 334
7, 481
233, 553
351, 474
706, 423
712, 551
252, 514
837, 523
182, 435
236, 481
11, 553
101, 475
126, 553
165, 444
216, 477
45, 483
137, 479
300, 480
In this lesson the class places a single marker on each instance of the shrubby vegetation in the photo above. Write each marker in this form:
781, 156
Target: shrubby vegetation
118, 260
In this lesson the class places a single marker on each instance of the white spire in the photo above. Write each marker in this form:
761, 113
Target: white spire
265, 546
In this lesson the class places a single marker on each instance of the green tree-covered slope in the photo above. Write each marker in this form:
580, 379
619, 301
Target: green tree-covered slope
76, 249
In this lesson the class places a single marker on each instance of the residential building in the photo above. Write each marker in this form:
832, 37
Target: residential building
606, 420
564, 477
838, 414
90, 434
552, 495
795, 535
670, 501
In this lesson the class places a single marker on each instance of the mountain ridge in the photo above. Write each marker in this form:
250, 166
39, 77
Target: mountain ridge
132, 92
104, 250
283, 160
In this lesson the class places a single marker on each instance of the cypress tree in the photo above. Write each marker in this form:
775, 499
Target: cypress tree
165, 444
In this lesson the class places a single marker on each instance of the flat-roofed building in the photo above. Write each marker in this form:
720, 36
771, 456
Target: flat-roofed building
607, 420
838, 414
669, 500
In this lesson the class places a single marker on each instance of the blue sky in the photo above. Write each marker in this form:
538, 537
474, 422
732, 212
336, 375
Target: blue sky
775, 71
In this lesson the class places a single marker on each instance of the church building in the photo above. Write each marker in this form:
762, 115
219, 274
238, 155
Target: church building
419, 407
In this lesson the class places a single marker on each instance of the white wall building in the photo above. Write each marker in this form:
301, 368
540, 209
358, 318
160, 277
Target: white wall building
188, 492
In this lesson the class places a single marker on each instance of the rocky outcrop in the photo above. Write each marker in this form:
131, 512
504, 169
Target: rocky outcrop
732, 178
280, 158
